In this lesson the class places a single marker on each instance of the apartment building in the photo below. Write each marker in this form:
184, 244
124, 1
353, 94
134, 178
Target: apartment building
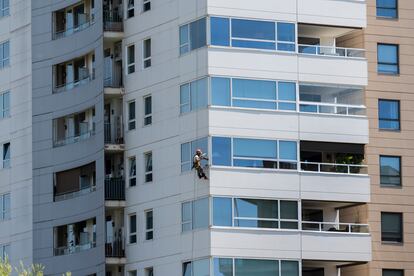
297, 109
15, 132
273, 93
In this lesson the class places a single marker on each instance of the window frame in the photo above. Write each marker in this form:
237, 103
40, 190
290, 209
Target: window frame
388, 185
149, 271
146, 5
401, 215
147, 115
132, 125
148, 174
397, 64
398, 102
386, 8
190, 85
130, 67
130, 10
5, 60
189, 41
149, 231
191, 152
132, 174
146, 53
5, 110
132, 236
6, 148
4, 249
4, 9
4, 207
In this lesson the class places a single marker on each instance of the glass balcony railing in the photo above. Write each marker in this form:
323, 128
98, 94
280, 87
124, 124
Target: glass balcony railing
74, 139
85, 78
66, 250
74, 194
353, 228
85, 22
321, 50
333, 168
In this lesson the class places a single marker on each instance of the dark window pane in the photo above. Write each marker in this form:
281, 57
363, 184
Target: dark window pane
389, 114
286, 32
255, 148
220, 31
198, 34
290, 268
387, 8
187, 269
253, 44
391, 227
255, 208
392, 272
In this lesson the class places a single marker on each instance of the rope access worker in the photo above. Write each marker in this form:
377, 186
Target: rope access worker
197, 164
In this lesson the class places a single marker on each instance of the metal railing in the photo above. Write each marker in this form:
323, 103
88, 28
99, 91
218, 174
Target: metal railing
73, 194
66, 250
70, 85
114, 188
74, 139
118, 137
331, 51
69, 31
335, 227
329, 108
114, 248
333, 168
113, 21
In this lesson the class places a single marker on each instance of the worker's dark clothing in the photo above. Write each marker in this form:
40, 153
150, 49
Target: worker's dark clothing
197, 165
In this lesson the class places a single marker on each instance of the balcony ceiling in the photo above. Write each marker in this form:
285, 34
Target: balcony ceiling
322, 31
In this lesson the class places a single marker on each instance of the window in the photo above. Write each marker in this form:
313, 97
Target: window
389, 114
4, 249
4, 8
131, 10
242, 267
5, 206
5, 104
388, 59
147, 110
260, 267
255, 153
130, 59
188, 151
387, 8
148, 166
4, 54
392, 227
6, 155
149, 271
149, 225
197, 268
132, 228
131, 115
255, 213
193, 95
193, 36
222, 267
147, 53
392, 272
253, 34
146, 5
132, 273
194, 214
248, 93
132, 171
390, 170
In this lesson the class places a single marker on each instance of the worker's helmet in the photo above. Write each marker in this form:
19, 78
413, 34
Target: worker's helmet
198, 151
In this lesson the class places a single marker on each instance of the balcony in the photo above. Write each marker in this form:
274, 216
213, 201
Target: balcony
115, 247
75, 237
74, 128
72, 19
115, 240
73, 73
113, 21
114, 188
75, 182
